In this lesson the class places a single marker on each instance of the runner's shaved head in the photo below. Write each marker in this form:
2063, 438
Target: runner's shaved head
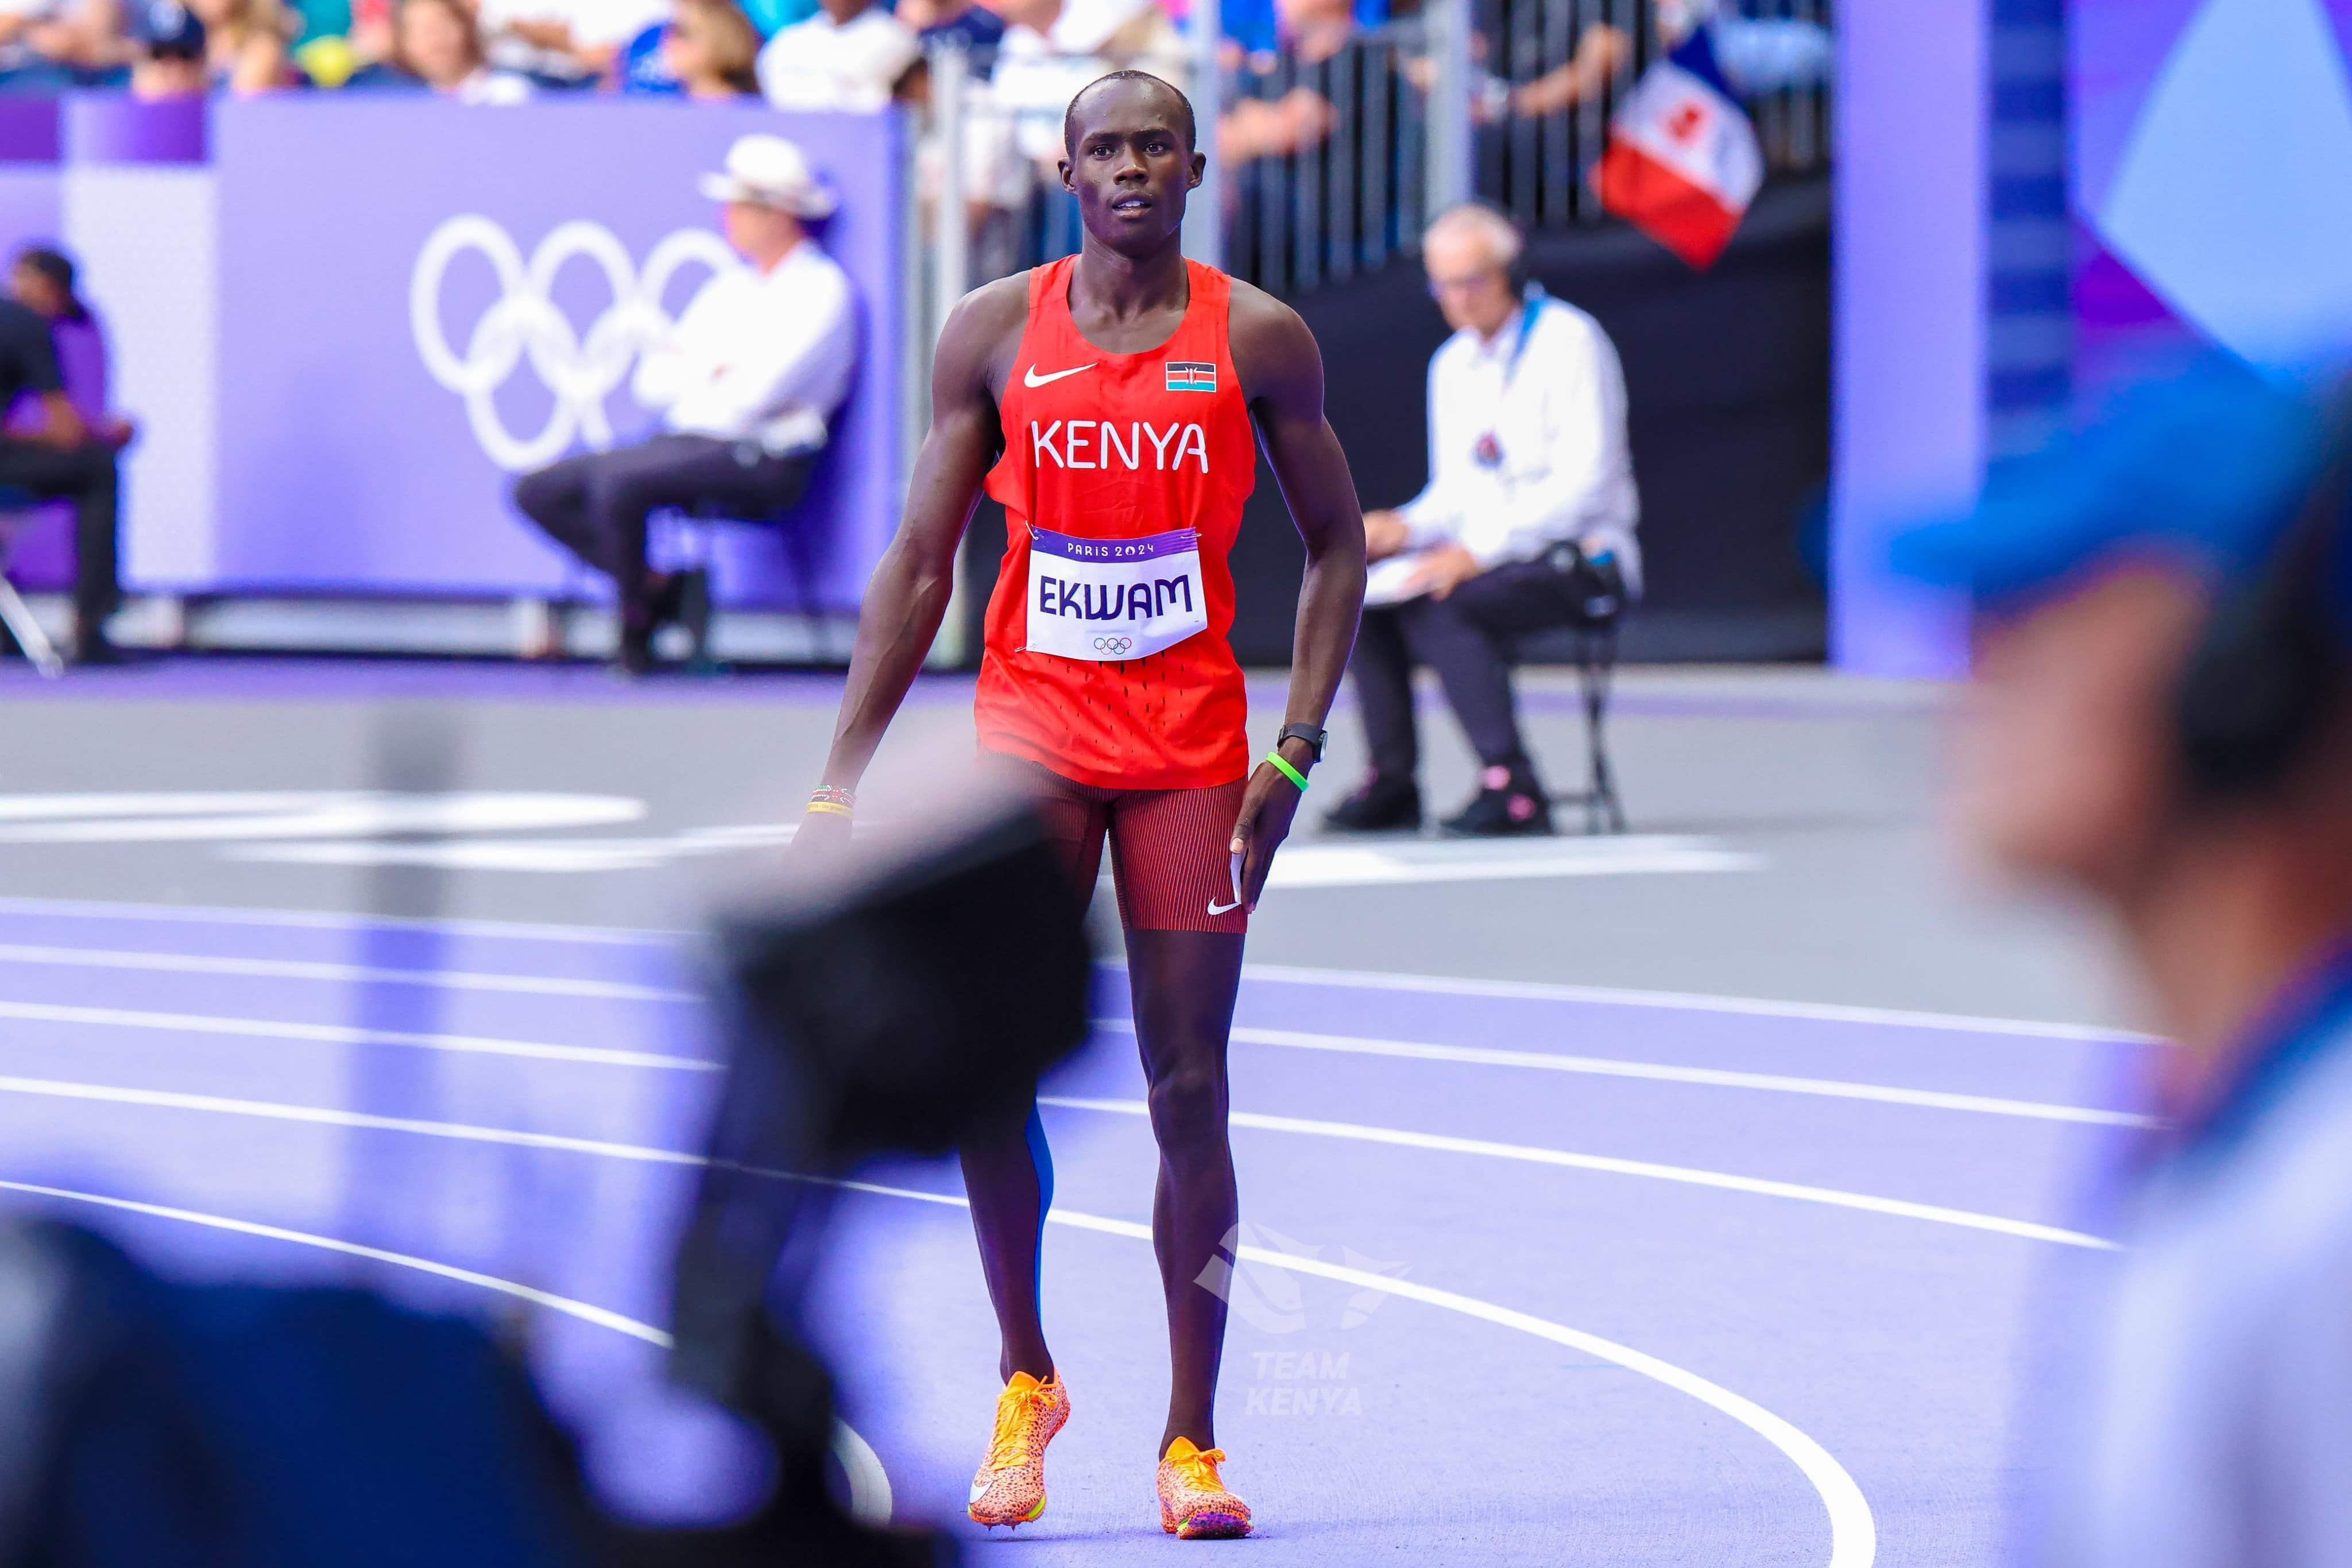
1180, 107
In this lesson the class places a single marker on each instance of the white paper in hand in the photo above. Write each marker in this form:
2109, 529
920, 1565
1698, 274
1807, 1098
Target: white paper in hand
1216, 908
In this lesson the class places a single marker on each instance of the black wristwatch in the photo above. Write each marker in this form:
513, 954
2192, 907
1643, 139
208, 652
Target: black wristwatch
1314, 738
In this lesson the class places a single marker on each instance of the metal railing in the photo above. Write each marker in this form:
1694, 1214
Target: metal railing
1325, 160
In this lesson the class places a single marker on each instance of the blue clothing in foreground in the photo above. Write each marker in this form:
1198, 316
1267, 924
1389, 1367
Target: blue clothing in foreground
2216, 1418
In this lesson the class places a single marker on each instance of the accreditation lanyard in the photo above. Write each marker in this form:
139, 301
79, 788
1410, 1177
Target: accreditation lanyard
1488, 450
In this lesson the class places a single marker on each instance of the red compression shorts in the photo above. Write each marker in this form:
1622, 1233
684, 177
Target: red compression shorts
1170, 854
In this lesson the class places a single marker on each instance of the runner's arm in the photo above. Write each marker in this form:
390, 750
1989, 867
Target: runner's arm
908, 597
1282, 372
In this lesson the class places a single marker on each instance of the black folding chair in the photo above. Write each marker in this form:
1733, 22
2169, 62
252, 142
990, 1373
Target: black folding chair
695, 529
14, 613
1590, 638
1596, 667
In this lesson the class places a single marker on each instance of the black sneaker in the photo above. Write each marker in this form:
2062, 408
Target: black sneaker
667, 605
1509, 804
1377, 808
635, 656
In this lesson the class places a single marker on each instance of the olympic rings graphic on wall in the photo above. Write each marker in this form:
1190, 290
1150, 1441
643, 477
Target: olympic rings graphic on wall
1113, 645
582, 368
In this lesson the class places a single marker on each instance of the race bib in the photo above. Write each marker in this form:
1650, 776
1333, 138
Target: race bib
1105, 599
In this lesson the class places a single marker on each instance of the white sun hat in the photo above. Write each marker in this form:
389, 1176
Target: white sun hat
1085, 26
770, 172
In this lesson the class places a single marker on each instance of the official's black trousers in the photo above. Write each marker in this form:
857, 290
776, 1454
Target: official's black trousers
86, 476
596, 506
1468, 638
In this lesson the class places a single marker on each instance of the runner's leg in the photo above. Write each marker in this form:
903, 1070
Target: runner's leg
1184, 967
1008, 1173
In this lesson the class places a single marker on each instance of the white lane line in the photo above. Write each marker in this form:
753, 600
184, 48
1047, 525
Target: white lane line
1371, 865
1684, 1001
320, 1115
341, 813
869, 1483
1279, 974
340, 1034
1832, 1088
1527, 1154
333, 920
1853, 1533
564, 1304
357, 974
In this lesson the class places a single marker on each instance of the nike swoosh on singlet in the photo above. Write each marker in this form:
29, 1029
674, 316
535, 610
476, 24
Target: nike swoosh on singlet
1034, 379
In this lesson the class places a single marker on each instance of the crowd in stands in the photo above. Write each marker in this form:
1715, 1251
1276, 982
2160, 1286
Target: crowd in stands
839, 55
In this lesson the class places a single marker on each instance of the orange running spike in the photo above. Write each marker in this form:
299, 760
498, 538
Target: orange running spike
1194, 1502
1009, 1488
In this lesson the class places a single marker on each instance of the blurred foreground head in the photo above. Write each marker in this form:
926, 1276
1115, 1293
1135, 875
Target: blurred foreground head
2159, 717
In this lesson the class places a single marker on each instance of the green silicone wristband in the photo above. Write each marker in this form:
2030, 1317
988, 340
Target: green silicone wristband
1288, 772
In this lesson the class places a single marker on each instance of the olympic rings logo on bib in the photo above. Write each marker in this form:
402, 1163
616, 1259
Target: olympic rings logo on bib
1103, 600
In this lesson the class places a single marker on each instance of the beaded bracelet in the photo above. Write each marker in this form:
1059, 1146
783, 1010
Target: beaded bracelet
832, 800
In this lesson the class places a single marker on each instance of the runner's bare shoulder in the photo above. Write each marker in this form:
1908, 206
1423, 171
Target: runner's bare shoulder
981, 337
1272, 346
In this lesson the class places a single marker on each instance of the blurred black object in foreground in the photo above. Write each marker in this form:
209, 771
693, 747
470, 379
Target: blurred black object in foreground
884, 1011
149, 1425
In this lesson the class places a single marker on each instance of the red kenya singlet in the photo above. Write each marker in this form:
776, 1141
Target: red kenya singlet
1112, 465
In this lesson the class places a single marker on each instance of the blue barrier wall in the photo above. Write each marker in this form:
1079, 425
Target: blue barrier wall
1909, 414
345, 322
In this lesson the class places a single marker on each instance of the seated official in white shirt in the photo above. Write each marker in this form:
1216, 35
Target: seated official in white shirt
849, 56
1527, 524
748, 381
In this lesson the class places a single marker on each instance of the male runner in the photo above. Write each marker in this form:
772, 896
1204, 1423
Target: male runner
1109, 401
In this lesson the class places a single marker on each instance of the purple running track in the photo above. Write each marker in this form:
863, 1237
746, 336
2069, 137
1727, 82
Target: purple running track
516, 1104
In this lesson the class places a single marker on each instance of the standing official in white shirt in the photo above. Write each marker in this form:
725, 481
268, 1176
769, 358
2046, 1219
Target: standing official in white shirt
748, 381
1527, 523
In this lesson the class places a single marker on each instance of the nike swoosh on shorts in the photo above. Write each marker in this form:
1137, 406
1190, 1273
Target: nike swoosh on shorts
1216, 908
1034, 379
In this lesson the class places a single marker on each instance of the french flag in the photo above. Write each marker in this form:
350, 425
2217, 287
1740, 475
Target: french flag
1682, 164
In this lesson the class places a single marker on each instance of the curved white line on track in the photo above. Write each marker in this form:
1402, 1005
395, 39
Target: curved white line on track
320, 1115
1528, 1154
1361, 979
869, 1483
1607, 1067
342, 1034
1853, 1533
360, 974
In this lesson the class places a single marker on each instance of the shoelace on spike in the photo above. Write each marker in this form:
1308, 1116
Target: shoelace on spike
1016, 1412
1201, 1469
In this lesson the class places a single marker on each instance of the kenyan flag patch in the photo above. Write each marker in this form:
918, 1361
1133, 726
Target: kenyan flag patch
1192, 375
